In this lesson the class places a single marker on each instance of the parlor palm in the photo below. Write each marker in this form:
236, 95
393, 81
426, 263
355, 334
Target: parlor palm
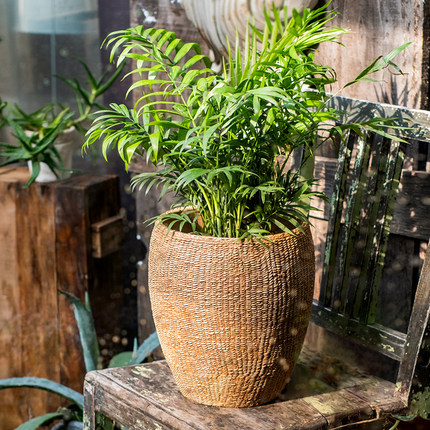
223, 143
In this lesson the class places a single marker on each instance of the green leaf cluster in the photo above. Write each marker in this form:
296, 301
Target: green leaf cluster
35, 138
37, 132
87, 98
225, 143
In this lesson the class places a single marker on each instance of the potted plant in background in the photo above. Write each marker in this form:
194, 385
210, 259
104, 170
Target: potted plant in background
37, 136
231, 267
45, 137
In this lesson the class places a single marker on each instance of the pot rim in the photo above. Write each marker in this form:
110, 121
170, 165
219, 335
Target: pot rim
234, 240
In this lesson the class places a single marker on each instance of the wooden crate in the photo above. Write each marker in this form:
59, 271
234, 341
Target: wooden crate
46, 237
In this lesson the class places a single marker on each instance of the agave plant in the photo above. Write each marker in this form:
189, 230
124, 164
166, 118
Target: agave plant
71, 417
223, 143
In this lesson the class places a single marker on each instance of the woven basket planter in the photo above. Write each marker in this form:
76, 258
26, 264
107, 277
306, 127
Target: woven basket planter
231, 316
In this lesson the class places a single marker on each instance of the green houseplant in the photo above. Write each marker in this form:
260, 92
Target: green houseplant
237, 149
44, 136
36, 135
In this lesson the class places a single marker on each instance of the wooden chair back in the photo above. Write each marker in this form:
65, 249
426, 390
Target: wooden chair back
379, 209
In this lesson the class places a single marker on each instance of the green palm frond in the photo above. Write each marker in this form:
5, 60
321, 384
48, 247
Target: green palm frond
216, 138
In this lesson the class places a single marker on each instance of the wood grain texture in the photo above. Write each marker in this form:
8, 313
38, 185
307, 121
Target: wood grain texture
38, 292
411, 213
127, 395
107, 236
379, 394
80, 202
146, 397
341, 407
12, 403
376, 28
45, 245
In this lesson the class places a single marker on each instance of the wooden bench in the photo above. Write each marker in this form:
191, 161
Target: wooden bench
364, 230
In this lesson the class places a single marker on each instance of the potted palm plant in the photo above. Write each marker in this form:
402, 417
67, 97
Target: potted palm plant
231, 266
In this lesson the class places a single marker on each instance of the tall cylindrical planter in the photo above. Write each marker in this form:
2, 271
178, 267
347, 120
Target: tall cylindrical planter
231, 315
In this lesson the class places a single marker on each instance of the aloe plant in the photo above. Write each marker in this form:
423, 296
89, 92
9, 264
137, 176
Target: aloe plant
36, 132
223, 142
2, 116
71, 417
87, 99
35, 144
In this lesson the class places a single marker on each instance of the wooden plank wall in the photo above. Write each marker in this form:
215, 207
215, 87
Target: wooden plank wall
377, 27
45, 246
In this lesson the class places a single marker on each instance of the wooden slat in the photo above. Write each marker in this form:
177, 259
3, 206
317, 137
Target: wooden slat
411, 212
379, 224
419, 321
354, 201
146, 397
336, 208
383, 340
362, 225
325, 171
319, 233
389, 194
37, 284
379, 394
13, 408
417, 121
341, 407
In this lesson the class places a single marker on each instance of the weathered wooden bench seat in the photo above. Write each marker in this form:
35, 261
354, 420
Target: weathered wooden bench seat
369, 247
318, 397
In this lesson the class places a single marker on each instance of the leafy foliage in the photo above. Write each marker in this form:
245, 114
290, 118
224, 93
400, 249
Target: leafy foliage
86, 99
35, 423
223, 143
87, 331
44, 384
36, 142
37, 132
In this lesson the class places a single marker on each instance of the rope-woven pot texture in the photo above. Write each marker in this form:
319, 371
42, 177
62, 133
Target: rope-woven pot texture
231, 316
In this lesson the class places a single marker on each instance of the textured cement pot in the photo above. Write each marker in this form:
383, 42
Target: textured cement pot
231, 316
